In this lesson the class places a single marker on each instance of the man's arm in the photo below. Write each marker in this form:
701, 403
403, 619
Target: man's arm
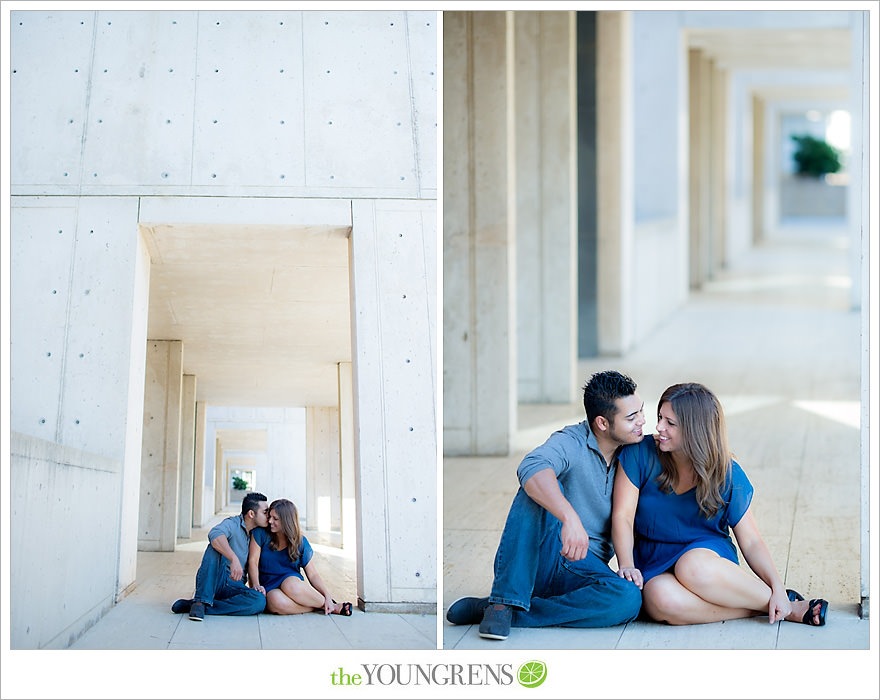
221, 544
543, 488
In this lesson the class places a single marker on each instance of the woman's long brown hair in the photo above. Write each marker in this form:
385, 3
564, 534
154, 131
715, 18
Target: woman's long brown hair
289, 519
704, 441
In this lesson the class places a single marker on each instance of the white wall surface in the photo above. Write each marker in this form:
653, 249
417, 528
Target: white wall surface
74, 495
280, 104
394, 325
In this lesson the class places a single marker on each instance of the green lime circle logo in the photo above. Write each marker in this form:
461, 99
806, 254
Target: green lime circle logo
531, 674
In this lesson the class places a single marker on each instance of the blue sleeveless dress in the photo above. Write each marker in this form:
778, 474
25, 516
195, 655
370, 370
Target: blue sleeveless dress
667, 525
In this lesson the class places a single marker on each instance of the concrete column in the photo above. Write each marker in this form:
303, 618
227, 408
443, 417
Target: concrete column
346, 456
479, 249
160, 458
699, 82
546, 205
198, 513
614, 197
219, 476
758, 116
393, 284
859, 220
187, 456
718, 178
323, 501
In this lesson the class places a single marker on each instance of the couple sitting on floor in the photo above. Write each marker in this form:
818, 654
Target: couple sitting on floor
675, 498
268, 538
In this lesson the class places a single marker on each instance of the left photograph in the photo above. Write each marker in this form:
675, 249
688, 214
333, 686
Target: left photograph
223, 322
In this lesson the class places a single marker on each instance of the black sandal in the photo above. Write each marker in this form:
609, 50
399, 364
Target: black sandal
823, 608
793, 595
345, 611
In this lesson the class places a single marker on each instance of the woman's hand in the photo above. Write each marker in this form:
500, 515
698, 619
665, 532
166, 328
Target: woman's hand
328, 605
631, 573
779, 607
261, 589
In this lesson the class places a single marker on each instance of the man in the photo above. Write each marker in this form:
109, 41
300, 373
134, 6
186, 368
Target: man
220, 581
551, 566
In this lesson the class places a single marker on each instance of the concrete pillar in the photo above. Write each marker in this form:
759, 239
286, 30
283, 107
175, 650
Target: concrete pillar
718, 178
393, 284
699, 90
187, 456
198, 511
859, 220
546, 205
219, 489
346, 456
614, 197
758, 117
479, 224
160, 458
323, 480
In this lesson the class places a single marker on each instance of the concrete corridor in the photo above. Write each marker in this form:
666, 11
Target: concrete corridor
776, 339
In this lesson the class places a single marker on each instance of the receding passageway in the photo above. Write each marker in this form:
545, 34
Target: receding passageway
775, 338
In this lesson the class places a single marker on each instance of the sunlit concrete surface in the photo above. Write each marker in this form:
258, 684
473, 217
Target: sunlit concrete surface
776, 339
143, 620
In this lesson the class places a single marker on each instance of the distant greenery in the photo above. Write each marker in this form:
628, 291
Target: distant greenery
815, 157
239, 484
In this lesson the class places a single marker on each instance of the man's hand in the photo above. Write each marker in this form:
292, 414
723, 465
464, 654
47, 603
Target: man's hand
235, 570
575, 541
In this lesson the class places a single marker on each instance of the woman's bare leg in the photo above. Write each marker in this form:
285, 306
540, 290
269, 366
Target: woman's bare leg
293, 597
665, 599
277, 602
720, 581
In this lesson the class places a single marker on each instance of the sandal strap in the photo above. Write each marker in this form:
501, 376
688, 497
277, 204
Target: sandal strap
823, 607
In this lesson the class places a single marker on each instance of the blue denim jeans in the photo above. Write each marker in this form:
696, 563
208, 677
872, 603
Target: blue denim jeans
220, 594
544, 588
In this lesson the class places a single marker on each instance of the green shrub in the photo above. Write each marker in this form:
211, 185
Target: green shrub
239, 484
815, 157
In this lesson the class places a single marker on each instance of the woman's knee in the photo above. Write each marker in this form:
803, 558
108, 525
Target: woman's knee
696, 569
663, 600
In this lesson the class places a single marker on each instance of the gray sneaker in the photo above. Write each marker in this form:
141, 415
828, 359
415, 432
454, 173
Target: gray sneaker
181, 606
496, 622
197, 612
467, 610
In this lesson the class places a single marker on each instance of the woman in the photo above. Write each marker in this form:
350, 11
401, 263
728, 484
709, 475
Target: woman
277, 554
683, 491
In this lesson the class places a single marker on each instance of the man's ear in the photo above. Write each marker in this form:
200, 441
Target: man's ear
601, 423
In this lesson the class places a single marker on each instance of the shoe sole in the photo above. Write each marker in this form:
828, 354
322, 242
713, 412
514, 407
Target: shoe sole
499, 637
196, 619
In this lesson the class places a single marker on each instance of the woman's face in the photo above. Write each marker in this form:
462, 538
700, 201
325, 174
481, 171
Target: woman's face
668, 429
274, 521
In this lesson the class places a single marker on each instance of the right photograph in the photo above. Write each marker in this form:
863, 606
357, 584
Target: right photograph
655, 330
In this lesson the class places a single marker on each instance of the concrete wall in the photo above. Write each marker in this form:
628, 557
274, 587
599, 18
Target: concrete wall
394, 384
660, 172
70, 559
117, 115
168, 85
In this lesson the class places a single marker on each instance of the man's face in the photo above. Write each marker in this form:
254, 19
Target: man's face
626, 427
261, 514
